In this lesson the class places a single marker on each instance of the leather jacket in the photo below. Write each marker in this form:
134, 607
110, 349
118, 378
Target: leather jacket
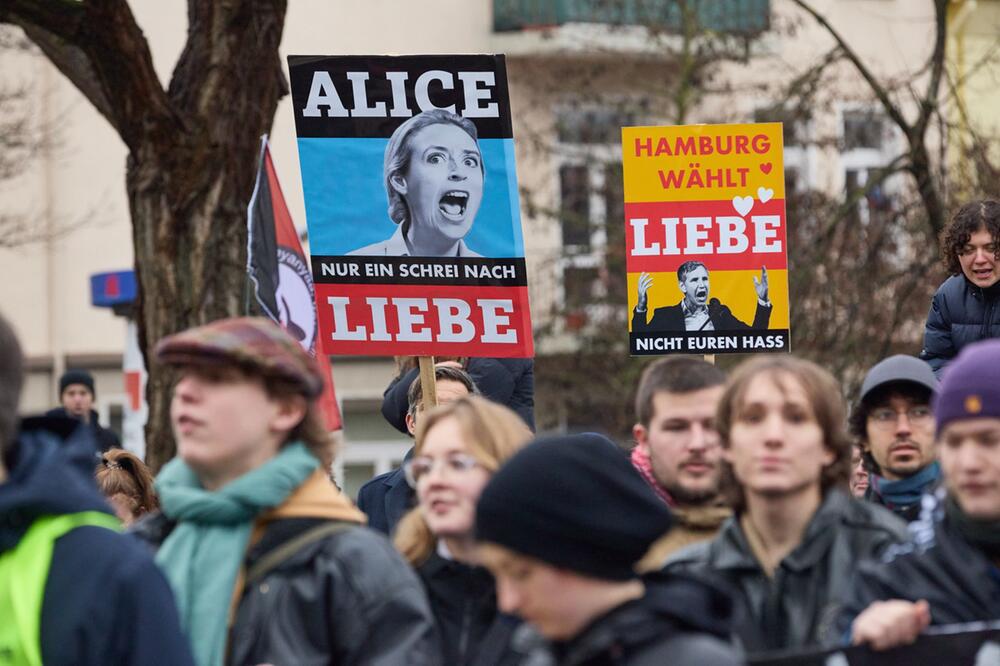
958, 580
800, 605
680, 621
346, 599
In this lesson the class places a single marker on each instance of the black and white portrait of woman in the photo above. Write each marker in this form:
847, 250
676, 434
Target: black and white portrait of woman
433, 172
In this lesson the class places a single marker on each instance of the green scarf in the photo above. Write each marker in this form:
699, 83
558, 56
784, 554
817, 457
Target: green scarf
202, 556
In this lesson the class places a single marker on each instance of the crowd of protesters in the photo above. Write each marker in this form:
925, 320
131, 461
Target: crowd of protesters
754, 512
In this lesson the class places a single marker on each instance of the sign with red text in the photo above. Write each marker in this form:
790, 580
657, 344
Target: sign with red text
412, 205
706, 251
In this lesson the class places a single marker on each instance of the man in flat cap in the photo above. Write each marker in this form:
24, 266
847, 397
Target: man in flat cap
269, 562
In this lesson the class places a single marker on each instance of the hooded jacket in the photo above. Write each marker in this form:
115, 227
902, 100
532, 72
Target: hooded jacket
959, 581
961, 313
679, 621
105, 601
348, 598
800, 605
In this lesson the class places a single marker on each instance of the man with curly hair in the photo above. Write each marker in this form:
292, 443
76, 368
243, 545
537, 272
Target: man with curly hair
965, 308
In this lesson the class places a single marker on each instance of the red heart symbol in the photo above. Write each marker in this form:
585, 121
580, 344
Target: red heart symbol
766, 167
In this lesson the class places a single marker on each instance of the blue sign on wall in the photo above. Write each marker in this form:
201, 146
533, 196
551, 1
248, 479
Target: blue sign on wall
110, 289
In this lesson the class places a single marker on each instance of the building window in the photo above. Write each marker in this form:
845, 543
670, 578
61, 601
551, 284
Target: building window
371, 445
799, 155
591, 208
574, 205
863, 129
868, 146
793, 125
592, 125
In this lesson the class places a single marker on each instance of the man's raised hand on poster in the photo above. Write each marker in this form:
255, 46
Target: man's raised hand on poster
645, 282
761, 285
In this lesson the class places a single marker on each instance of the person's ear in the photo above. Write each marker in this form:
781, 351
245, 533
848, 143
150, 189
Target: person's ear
398, 183
411, 424
683, 287
641, 437
289, 414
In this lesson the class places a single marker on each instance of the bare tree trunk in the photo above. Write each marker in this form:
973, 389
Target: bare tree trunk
192, 152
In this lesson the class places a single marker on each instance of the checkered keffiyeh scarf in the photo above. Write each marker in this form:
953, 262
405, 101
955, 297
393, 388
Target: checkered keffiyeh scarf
642, 463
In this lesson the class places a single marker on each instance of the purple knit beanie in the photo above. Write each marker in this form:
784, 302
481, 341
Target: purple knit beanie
971, 385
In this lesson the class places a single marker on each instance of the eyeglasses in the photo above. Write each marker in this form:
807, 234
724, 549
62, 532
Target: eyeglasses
420, 466
887, 418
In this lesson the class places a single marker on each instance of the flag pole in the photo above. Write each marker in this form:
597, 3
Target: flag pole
247, 285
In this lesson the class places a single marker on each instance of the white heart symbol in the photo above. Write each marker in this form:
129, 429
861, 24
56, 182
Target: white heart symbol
743, 205
764, 194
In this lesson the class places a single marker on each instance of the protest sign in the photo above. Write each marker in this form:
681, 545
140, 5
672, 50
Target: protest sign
956, 645
706, 255
412, 205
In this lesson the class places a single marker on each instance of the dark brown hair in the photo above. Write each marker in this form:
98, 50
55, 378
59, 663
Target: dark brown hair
825, 400
122, 473
969, 219
415, 394
674, 374
311, 430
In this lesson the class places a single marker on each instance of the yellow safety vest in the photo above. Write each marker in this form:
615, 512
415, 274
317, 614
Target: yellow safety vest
23, 572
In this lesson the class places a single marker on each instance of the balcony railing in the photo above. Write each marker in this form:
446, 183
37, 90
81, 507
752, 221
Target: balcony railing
728, 16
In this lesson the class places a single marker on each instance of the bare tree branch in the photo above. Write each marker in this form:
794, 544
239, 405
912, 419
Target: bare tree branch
878, 89
99, 47
936, 61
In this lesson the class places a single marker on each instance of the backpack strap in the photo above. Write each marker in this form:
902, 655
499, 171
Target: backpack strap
285, 551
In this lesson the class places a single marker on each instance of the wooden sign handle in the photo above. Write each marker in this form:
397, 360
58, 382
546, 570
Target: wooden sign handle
427, 384
710, 358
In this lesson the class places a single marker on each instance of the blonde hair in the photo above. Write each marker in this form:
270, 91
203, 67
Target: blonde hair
492, 434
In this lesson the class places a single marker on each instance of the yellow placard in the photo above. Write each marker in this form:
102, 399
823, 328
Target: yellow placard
702, 162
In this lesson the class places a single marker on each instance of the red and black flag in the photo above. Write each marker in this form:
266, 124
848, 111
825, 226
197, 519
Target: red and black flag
279, 271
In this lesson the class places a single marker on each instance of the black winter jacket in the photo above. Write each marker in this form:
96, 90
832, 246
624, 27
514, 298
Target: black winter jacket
680, 621
386, 498
800, 605
105, 600
961, 313
463, 600
958, 580
344, 600
508, 381
105, 437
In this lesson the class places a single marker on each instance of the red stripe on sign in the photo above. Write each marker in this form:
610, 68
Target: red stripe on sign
417, 320
723, 235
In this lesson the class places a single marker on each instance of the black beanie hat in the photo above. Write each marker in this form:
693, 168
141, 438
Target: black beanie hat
575, 502
71, 377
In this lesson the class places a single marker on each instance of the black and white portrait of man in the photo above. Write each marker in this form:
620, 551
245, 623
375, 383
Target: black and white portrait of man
696, 311
434, 177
